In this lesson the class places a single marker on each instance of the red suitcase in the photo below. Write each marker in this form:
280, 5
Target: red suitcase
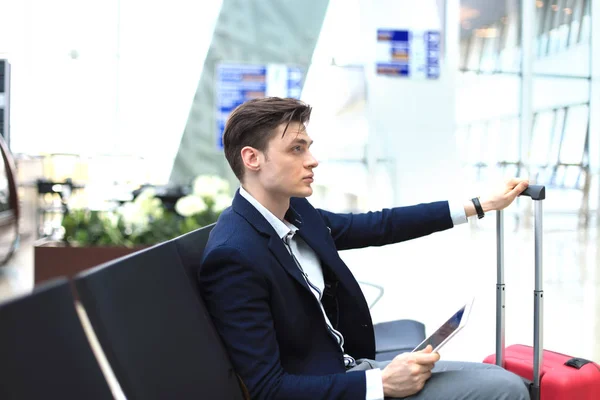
560, 377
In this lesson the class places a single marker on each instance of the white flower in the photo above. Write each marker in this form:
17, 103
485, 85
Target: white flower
112, 218
210, 186
189, 205
147, 206
133, 215
145, 194
152, 208
222, 201
138, 213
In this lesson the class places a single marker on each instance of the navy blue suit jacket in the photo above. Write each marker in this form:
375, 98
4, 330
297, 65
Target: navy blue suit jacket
269, 320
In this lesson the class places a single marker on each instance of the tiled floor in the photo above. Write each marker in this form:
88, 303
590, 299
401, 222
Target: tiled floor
427, 279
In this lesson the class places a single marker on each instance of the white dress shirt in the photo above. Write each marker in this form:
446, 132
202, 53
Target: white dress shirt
310, 265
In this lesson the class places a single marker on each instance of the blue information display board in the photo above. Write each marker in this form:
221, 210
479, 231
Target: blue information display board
408, 53
238, 83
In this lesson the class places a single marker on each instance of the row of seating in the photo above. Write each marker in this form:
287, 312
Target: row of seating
149, 318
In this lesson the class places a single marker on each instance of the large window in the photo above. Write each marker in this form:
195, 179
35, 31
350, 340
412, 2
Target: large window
494, 133
489, 87
562, 26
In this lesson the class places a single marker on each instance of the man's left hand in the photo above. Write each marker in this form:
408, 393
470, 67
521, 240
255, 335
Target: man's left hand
504, 196
499, 200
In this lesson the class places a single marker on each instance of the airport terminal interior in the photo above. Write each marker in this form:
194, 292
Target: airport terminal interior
112, 115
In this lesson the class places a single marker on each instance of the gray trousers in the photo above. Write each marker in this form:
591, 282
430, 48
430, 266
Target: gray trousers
453, 380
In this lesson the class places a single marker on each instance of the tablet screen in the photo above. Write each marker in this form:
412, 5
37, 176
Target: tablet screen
444, 331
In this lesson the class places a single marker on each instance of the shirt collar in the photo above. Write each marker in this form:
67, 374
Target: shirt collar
282, 228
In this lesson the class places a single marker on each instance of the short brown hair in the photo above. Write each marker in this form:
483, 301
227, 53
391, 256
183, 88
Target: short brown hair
254, 123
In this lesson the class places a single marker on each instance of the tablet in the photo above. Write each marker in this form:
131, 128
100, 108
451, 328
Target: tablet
450, 328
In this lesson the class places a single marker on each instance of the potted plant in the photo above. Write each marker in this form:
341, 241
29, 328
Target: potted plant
94, 237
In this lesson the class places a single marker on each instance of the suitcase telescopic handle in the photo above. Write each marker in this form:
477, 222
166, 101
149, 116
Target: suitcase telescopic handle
537, 193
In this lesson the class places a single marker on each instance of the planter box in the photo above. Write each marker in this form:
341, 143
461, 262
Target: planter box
54, 259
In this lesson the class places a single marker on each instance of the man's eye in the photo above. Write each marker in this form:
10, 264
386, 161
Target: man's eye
296, 148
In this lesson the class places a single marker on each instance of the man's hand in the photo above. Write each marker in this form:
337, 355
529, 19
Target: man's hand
501, 199
408, 372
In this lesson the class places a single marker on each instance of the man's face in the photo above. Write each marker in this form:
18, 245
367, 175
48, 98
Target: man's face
287, 163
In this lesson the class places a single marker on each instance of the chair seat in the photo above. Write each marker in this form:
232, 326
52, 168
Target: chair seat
396, 337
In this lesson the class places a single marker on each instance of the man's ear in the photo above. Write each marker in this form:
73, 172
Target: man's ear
251, 158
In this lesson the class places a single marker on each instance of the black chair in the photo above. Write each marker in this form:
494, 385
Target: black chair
391, 338
191, 248
155, 333
44, 352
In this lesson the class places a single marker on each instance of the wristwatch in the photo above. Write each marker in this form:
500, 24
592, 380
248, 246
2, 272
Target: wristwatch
478, 208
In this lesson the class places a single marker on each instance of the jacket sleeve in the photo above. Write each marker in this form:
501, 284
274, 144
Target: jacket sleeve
352, 231
237, 298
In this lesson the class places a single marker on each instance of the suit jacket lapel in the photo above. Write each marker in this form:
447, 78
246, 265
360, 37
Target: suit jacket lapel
285, 259
329, 258
276, 245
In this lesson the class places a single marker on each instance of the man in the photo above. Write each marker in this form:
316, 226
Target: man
292, 316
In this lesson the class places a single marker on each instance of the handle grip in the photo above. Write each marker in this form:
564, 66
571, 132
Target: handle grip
536, 192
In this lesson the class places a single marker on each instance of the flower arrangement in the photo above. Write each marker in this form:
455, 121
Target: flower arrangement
145, 220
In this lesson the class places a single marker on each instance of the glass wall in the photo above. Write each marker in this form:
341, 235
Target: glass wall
561, 94
489, 87
542, 134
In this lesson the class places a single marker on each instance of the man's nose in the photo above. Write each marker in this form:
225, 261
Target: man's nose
312, 162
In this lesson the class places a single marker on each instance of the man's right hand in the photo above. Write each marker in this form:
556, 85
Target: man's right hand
408, 372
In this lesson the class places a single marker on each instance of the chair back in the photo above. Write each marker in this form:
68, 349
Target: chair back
44, 351
191, 249
155, 331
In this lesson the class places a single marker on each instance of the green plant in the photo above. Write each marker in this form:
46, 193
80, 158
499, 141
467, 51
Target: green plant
145, 221
85, 227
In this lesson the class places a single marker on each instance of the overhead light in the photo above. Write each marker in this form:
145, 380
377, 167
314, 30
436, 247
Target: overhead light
554, 7
568, 11
468, 13
486, 32
539, 4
